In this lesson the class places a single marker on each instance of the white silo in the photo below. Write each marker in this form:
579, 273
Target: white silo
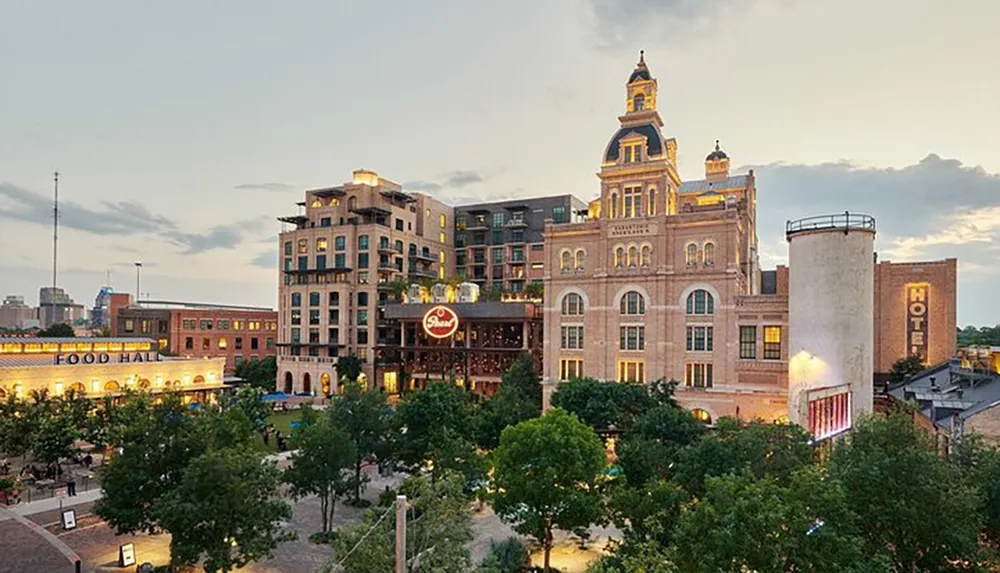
831, 301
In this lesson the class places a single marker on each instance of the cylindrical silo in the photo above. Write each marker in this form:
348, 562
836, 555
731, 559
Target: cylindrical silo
831, 320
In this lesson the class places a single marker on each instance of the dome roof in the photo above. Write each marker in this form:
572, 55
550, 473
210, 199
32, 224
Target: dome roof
654, 141
717, 154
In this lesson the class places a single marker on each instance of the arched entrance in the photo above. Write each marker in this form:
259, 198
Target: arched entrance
324, 383
77, 389
199, 379
702, 416
112, 386
306, 383
288, 383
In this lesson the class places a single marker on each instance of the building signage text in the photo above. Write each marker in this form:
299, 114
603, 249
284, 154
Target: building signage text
105, 358
917, 307
630, 230
440, 322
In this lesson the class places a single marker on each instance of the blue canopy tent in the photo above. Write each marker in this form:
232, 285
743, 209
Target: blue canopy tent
275, 397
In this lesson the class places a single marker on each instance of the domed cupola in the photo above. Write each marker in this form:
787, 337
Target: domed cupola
717, 164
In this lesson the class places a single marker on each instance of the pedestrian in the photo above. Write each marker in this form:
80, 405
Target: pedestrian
71, 485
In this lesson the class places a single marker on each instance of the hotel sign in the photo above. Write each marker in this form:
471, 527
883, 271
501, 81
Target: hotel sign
440, 322
917, 306
105, 358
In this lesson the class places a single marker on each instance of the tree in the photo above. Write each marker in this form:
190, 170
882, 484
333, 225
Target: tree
349, 368
490, 294
61, 330
519, 399
259, 373
546, 475
894, 479
225, 509
639, 558
535, 290
507, 556
431, 428
602, 405
363, 418
647, 450
981, 465
250, 400
905, 368
324, 452
648, 513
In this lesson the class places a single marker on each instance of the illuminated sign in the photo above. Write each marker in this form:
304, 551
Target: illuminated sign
917, 306
829, 415
105, 358
440, 322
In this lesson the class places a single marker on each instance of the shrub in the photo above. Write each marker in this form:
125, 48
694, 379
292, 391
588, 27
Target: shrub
507, 556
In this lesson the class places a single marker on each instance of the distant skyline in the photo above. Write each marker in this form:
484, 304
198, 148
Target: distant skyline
182, 131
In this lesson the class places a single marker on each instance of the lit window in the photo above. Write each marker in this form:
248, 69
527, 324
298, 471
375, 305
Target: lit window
334, 202
691, 256
748, 342
321, 245
702, 416
632, 338
444, 221
222, 343
772, 343
700, 302
442, 238
633, 303
570, 368
572, 305
632, 371
317, 203
572, 338
613, 207
390, 382
303, 246
699, 338
709, 254
698, 375
651, 202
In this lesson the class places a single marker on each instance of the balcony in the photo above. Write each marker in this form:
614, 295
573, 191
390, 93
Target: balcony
516, 224
423, 273
388, 267
342, 269
479, 262
386, 249
429, 257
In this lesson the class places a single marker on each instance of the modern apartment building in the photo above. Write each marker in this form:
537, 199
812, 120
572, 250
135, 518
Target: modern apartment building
499, 246
340, 261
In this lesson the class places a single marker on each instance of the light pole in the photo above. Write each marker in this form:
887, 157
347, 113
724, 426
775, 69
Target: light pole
138, 268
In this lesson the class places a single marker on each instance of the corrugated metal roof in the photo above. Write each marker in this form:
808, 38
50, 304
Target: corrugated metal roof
60, 340
702, 185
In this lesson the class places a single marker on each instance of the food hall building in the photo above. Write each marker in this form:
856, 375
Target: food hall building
100, 367
448, 334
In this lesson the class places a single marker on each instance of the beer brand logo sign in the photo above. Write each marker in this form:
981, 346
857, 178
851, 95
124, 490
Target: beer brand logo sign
917, 306
440, 322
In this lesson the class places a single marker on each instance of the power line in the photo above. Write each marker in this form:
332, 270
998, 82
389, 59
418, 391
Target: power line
365, 536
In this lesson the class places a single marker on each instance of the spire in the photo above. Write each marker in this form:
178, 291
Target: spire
642, 58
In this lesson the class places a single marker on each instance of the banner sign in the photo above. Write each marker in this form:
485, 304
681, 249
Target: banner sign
917, 306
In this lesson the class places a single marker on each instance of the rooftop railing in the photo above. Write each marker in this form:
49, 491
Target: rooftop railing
845, 221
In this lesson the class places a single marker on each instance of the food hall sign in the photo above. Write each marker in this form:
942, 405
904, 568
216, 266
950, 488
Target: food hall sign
440, 322
917, 306
105, 358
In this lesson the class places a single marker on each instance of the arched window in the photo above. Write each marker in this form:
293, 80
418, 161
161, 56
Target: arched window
709, 253
702, 416
691, 256
78, 388
645, 253
651, 202
288, 383
222, 343
112, 386
572, 305
324, 383
564, 261
199, 379
144, 384
639, 102
613, 207
316, 203
700, 302
306, 383
334, 202
580, 258
619, 257
633, 303
633, 256
352, 203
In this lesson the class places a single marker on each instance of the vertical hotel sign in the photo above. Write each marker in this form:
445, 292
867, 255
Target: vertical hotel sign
917, 307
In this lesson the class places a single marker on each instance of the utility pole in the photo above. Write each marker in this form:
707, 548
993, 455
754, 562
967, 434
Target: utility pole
55, 228
400, 534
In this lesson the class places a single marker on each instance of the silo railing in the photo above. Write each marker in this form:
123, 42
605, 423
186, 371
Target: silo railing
845, 221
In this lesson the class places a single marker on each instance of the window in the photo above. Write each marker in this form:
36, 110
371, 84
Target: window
399, 224
460, 240
619, 257
288, 248
613, 207
772, 343
296, 336
632, 338
288, 263
321, 245
222, 343
362, 336
559, 214
517, 254
296, 317
303, 246
633, 303
579, 259
237, 325
314, 316
314, 298
205, 324
316, 203
442, 238
362, 260
699, 338
633, 153
188, 343
303, 262
572, 338
638, 102
398, 246
570, 368
333, 316
238, 342
691, 255
698, 375
461, 222
335, 298
651, 202
572, 305
748, 342
129, 325
633, 256
709, 254
269, 344
363, 242
498, 220
564, 261
254, 343
444, 221
517, 236
325, 221
340, 242
632, 198
206, 343
644, 256
363, 317
497, 256
700, 302
497, 236
321, 262
362, 299
339, 261
632, 371
363, 277
352, 203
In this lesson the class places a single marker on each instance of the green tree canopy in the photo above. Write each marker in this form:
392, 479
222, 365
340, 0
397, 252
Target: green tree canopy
431, 429
649, 449
904, 368
321, 462
363, 416
61, 330
519, 399
261, 374
349, 368
602, 405
546, 474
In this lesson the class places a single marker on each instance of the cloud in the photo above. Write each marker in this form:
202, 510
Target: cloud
624, 22
935, 208
116, 218
266, 186
267, 260
448, 181
218, 237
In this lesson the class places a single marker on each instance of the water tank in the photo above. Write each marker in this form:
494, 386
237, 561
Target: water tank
831, 297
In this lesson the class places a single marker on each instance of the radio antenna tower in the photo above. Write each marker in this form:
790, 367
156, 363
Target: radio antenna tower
55, 230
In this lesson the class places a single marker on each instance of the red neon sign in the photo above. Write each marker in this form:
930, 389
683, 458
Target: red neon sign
440, 322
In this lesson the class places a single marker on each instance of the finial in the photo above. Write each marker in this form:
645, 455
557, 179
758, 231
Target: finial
717, 145
642, 57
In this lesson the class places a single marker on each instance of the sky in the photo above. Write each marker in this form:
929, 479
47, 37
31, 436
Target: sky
182, 130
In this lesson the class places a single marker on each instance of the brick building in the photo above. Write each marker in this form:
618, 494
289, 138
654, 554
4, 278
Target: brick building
237, 333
